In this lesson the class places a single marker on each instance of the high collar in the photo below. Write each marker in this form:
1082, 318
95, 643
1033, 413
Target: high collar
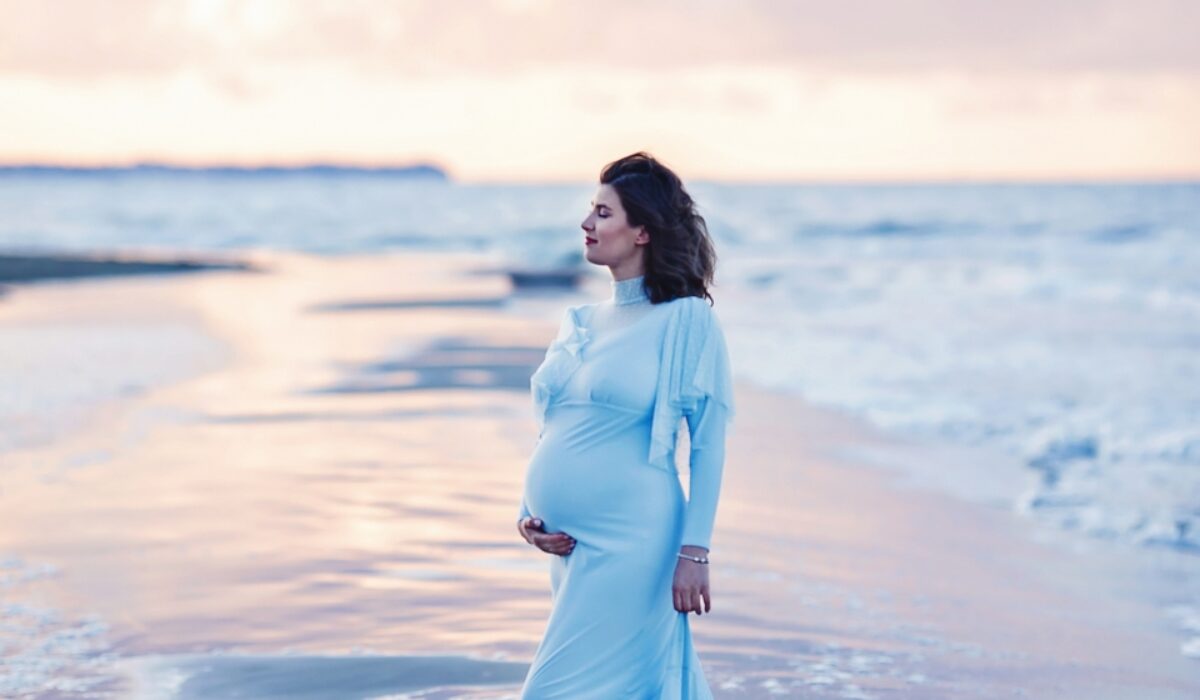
629, 291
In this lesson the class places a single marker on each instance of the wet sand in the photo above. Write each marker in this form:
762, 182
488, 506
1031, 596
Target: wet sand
326, 510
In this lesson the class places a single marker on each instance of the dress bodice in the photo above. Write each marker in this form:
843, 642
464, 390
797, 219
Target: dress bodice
619, 365
679, 342
624, 370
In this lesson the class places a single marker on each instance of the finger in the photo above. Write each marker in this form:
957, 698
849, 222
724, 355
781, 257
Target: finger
554, 544
696, 603
707, 600
675, 600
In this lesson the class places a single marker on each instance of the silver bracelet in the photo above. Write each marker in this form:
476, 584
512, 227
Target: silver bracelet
698, 560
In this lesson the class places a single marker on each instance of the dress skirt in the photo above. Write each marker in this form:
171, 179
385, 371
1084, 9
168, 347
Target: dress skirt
613, 631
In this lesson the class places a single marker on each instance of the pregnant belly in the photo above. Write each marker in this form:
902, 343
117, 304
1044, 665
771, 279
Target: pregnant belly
600, 491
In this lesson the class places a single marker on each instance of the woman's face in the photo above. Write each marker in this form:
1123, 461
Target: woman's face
608, 238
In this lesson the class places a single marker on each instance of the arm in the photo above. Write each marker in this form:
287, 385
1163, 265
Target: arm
706, 425
703, 386
706, 428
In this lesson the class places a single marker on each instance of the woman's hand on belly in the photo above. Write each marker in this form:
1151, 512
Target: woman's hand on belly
532, 529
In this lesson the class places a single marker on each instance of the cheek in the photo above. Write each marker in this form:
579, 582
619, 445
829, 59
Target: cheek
607, 231
601, 232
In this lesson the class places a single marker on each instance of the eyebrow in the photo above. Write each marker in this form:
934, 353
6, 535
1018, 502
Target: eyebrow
601, 204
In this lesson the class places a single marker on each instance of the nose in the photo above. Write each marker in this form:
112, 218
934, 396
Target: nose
587, 225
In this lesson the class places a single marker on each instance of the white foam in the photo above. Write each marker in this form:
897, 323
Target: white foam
42, 650
1072, 360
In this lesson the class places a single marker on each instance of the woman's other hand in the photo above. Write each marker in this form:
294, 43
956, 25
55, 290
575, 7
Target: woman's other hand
690, 588
533, 530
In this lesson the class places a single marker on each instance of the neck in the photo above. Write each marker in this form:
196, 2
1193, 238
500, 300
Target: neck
627, 269
629, 291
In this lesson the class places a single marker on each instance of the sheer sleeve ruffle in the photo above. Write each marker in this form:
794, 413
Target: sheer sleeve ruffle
561, 360
695, 365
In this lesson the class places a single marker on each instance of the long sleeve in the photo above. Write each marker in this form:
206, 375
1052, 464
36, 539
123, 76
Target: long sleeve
695, 382
706, 430
694, 367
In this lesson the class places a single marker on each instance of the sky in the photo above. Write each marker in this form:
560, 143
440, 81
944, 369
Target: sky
545, 90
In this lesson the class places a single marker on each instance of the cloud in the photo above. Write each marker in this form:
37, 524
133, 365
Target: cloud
418, 39
969, 35
82, 41
550, 88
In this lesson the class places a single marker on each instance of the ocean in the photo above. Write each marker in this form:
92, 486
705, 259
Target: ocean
1055, 324
1053, 327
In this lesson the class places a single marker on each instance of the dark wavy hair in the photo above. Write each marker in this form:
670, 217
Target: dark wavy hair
679, 259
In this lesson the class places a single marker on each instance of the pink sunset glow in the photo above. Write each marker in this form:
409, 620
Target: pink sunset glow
528, 90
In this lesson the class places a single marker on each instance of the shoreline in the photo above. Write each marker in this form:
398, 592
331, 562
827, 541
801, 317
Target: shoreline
22, 268
336, 501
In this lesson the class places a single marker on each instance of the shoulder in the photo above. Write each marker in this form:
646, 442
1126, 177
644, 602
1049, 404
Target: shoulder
694, 310
694, 322
580, 313
690, 303
578, 310
575, 318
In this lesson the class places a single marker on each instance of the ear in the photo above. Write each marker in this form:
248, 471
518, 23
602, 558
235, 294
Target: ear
643, 236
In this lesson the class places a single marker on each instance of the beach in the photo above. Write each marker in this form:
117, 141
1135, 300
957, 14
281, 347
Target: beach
303, 482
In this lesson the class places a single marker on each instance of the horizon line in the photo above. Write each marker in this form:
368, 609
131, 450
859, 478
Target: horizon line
432, 168
229, 165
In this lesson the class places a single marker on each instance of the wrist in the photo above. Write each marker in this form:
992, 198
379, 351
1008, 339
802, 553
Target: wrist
694, 549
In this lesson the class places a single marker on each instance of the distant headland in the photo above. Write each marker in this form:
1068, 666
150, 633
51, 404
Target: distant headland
418, 170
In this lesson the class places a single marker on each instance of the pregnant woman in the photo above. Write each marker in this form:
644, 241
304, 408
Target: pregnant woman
629, 555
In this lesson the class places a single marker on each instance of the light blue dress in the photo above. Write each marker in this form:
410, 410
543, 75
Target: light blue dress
615, 386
